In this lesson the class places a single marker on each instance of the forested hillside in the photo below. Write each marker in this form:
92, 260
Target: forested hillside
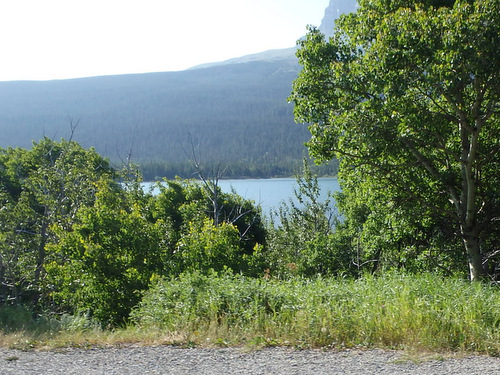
235, 113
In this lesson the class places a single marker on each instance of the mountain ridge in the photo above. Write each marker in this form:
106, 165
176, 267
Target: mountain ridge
235, 111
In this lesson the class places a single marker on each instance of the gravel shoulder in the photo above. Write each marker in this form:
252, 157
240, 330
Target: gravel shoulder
231, 361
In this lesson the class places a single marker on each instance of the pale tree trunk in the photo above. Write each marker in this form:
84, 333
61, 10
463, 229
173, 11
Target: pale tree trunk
469, 209
40, 262
470, 237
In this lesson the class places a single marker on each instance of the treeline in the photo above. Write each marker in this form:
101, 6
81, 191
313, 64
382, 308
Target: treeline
154, 171
80, 237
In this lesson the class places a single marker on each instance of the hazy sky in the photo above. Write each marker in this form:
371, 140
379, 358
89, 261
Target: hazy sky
53, 39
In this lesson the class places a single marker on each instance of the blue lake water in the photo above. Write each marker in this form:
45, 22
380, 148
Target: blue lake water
269, 193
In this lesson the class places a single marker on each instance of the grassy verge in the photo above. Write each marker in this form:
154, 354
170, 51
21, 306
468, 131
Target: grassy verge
424, 312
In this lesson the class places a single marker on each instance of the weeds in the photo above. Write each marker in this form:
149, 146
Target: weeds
424, 313
395, 311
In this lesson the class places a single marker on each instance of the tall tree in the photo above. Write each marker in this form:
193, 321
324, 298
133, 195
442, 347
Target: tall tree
407, 94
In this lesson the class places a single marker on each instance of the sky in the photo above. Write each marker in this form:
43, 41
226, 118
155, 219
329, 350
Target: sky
59, 39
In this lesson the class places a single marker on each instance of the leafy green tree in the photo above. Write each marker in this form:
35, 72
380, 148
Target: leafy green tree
381, 235
41, 188
78, 236
209, 247
186, 206
109, 257
406, 94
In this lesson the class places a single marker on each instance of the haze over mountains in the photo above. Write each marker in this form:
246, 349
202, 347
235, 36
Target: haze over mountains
234, 112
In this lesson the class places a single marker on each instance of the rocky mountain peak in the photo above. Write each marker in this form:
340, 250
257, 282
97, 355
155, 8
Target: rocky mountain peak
334, 10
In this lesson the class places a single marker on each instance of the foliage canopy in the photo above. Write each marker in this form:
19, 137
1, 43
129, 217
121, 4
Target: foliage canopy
407, 94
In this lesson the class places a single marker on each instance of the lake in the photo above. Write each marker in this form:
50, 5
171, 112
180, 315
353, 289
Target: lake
269, 192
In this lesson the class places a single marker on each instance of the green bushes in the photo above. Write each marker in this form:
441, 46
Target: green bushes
78, 237
207, 247
80, 247
106, 260
15, 318
128, 238
302, 240
40, 190
395, 311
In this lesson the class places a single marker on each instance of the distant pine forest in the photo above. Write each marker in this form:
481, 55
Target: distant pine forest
233, 117
154, 171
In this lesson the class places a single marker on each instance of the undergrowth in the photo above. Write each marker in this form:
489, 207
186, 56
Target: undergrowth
397, 311
424, 312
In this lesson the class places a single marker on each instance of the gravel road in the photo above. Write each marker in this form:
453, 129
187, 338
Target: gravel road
171, 360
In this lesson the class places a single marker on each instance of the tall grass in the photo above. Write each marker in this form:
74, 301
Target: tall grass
398, 311
424, 312
20, 329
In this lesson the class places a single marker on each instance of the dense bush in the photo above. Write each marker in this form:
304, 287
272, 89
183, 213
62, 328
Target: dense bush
107, 259
78, 236
40, 190
302, 239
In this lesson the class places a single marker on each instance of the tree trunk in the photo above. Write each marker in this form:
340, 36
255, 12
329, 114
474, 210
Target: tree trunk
470, 237
40, 261
3, 286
